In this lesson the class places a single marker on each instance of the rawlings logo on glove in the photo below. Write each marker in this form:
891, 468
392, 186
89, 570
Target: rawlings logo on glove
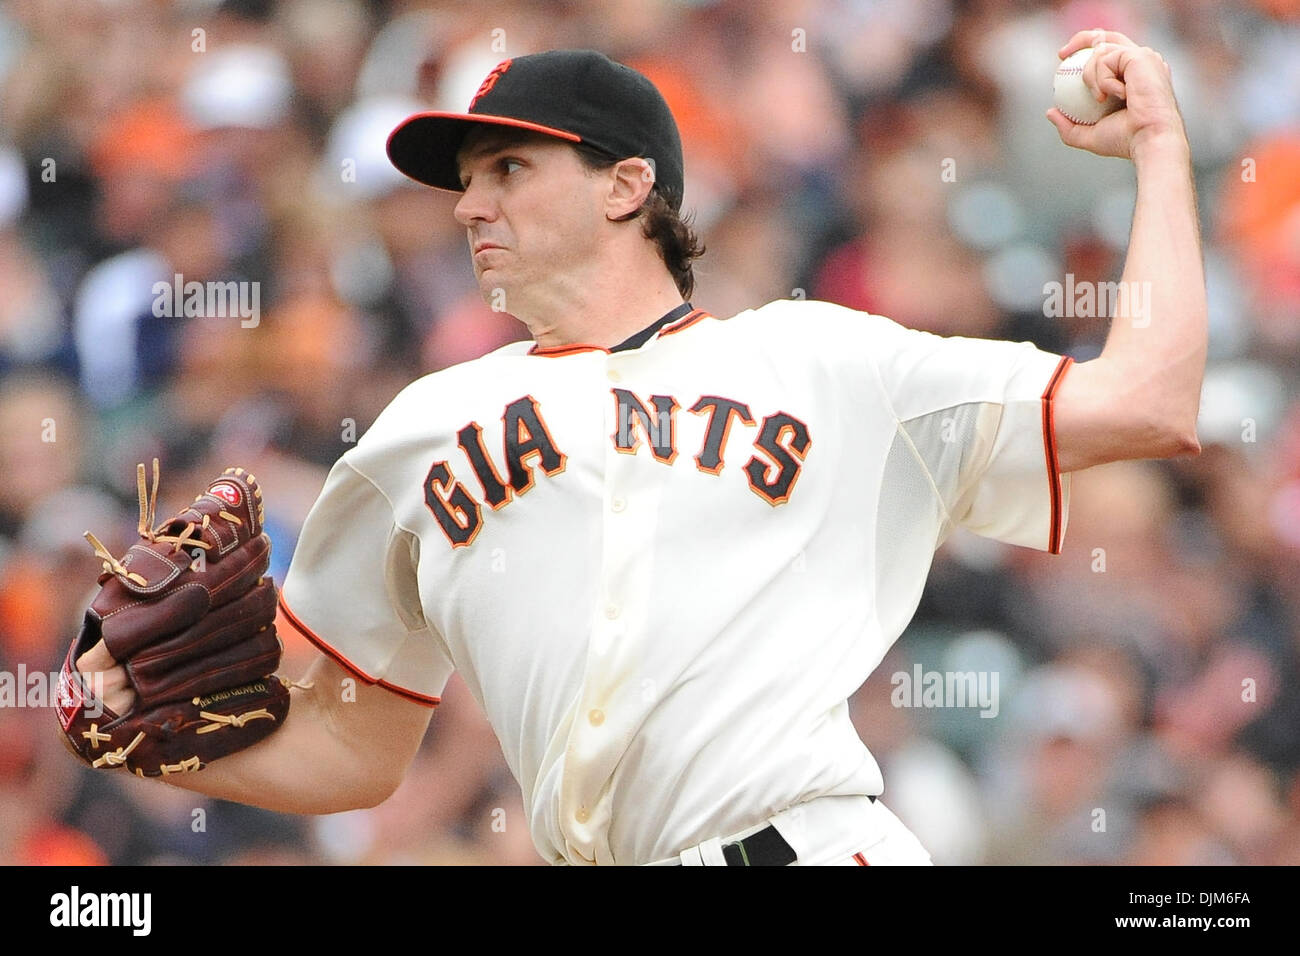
196, 637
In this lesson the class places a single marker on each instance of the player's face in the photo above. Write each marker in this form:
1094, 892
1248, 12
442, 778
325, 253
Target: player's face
531, 211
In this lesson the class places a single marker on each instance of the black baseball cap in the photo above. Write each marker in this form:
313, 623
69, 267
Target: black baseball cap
577, 95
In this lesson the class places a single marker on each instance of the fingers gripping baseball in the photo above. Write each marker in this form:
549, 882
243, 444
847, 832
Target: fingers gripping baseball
1137, 76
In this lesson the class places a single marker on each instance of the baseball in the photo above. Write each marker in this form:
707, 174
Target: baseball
1073, 98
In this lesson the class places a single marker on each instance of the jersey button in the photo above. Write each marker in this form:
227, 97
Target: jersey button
618, 504
612, 611
613, 375
597, 717
581, 815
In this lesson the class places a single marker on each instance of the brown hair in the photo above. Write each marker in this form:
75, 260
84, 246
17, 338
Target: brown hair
678, 244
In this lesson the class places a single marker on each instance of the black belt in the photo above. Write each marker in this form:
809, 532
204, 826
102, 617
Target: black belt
765, 848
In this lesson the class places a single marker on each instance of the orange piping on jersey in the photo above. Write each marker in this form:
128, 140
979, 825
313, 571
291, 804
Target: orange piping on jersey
862, 860
347, 665
1049, 447
685, 321
554, 350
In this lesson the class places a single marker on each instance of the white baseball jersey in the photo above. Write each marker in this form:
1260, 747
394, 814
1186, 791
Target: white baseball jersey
662, 569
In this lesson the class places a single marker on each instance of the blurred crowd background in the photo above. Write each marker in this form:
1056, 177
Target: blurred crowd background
1148, 710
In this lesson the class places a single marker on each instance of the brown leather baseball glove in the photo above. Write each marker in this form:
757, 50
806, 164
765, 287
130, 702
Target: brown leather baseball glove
190, 615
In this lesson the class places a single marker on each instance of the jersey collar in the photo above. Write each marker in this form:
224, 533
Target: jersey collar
642, 337
682, 311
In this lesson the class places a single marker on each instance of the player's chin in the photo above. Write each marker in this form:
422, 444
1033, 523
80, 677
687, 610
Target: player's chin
492, 286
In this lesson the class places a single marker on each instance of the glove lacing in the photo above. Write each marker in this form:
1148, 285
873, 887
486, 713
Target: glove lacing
148, 500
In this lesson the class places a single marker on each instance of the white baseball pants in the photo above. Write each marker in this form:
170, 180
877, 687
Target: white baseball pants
827, 831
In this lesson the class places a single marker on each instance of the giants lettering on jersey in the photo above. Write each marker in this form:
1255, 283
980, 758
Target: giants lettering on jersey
782, 439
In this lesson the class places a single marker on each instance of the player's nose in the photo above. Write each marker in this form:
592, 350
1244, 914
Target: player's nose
475, 205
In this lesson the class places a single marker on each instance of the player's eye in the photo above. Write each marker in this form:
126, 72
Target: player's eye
510, 165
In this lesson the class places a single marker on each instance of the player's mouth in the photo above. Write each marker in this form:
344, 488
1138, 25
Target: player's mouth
484, 247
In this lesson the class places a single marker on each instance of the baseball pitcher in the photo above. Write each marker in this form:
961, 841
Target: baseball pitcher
661, 547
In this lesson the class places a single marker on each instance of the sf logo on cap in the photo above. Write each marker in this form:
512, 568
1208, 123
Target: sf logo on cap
491, 81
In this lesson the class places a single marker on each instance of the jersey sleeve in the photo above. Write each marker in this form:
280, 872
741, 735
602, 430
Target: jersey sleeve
352, 590
978, 414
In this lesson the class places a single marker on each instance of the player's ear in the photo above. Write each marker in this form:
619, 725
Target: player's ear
630, 182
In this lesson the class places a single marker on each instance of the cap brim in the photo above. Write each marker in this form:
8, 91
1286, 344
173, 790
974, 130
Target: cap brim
424, 146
